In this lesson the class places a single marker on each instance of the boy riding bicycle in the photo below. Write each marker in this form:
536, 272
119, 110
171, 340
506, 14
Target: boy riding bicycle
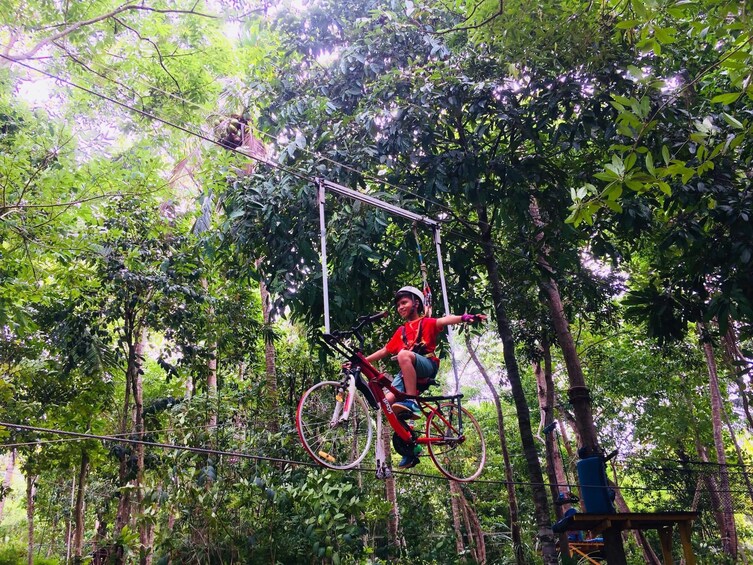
412, 346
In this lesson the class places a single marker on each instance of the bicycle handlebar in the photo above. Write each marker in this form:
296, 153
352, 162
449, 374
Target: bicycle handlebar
365, 320
355, 330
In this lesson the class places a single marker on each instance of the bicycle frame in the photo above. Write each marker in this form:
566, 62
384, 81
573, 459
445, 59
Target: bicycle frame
375, 382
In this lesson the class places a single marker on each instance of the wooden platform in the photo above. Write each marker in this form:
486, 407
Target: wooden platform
662, 522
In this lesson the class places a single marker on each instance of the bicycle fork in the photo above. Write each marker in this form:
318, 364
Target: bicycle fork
344, 403
454, 429
460, 416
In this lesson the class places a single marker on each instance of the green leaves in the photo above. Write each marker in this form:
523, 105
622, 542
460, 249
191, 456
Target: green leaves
662, 313
726, 99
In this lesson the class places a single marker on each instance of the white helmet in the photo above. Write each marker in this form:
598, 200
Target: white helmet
411, 291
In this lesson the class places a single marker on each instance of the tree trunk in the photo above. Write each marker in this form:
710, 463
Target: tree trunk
100, 530
535, 476
134, 371
472, 529
69, 522
555, 469
738, 366
123, 512
393, 519
729, 533
31, 488
546, 394
564, 435
9, 469
212, 392
211, 372
188, 388
239, 417
712, 487
512, 498
139, 429
739, 452
78, 512
742, 389
150, 533
170, 527
270, 357
579, 395
455, 495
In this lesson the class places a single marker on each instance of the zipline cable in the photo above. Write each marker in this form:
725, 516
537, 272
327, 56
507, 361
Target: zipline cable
118, 435
240, 454
157, 118
249, 155
112, 438
269, 136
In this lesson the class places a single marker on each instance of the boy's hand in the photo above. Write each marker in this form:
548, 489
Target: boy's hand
472, 318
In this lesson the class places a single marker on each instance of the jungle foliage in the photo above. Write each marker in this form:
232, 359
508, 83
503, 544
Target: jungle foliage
160, 276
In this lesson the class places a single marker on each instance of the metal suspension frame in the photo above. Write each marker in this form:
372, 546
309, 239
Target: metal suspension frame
434, 225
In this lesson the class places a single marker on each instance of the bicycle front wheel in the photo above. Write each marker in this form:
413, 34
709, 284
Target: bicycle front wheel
457, 444
330, 438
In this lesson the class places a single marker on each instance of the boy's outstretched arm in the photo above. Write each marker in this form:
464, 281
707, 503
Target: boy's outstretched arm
377, 355
453, 319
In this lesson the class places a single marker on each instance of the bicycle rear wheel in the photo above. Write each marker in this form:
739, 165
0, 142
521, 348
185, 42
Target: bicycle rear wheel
458, 456
329, 439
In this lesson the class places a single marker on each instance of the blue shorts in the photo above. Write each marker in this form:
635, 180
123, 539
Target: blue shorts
425, 369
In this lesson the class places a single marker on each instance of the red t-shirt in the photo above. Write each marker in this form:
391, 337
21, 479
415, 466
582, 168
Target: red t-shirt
429, 333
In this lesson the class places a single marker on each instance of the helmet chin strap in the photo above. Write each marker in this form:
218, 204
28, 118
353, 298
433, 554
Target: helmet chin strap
414, 308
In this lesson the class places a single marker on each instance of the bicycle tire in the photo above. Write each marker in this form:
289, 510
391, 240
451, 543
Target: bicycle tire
463, 460
342, 446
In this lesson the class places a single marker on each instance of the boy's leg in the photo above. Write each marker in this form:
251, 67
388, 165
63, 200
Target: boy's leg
397, 383
407, 361
420, 368
412, 367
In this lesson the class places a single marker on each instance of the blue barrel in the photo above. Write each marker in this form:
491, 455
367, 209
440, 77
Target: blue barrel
596, 495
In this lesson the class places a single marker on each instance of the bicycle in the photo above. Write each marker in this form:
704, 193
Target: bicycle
336, 428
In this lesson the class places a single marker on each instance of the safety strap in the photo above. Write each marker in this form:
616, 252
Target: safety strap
418, 335
424, 273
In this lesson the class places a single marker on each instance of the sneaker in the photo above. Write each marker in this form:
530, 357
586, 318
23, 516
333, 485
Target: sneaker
409, 406
408, 461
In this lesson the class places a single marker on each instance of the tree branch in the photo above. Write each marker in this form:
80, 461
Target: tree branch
156, 48
31, 262
83, 23
34, 174
102, 75
500, 11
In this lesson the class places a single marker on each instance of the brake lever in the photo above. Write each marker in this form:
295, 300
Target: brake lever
361, 321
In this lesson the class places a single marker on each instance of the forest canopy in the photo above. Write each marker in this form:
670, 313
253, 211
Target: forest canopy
161, 282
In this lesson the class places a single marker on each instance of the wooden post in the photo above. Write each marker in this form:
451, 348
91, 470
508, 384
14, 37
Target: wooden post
665, 535
614, 551
687, 548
